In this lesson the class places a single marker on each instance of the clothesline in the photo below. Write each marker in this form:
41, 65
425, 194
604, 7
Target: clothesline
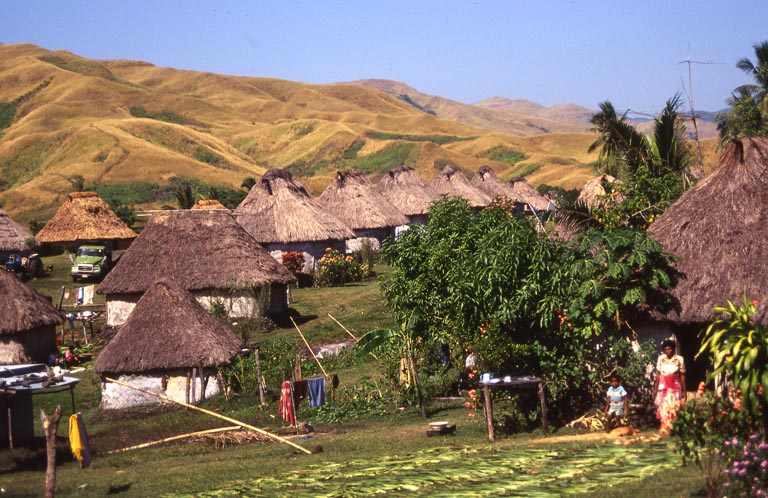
292, 393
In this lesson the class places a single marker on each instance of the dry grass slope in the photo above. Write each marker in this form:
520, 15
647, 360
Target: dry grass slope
125, 121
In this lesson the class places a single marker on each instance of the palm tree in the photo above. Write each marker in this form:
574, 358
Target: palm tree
671, 151
748, 105
622, 147
758, 71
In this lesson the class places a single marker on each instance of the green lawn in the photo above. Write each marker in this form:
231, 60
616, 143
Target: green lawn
360, 457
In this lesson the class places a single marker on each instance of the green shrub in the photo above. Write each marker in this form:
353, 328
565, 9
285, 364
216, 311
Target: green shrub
204, 155
7, 113
333, 268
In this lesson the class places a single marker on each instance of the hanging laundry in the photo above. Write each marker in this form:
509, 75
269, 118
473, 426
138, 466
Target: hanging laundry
80, 297
286, 404
299, 392
88, 294
78, 440
316, 389
66, 293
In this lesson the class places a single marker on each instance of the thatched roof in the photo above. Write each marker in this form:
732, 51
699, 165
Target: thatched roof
22, 308
451, 182
209, 204
592, 194
168, 329
279, 209
405, 188
524, 192
83, 217
12, 235
353, 199
198, 249
486, 181
718, 230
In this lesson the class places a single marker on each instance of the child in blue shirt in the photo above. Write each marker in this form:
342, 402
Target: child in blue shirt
615, 402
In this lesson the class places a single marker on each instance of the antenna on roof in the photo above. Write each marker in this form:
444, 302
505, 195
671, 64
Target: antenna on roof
699, 155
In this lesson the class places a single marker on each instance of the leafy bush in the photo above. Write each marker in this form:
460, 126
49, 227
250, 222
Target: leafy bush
363, 399
701, 428
747, 472
204, 155
333, 268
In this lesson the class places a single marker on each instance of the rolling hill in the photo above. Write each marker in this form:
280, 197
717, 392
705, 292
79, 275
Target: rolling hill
121, 121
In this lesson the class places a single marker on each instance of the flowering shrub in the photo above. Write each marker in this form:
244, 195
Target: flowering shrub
747, 474
294, 262
335, 268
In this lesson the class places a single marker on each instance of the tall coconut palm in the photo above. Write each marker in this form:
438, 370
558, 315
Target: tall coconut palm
758, 70
671, 151
622, 147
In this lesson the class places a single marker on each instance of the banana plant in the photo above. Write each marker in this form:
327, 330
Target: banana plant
739, 348
406, 338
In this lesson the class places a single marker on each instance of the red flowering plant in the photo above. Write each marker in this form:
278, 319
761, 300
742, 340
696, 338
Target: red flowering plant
335, 268
472, 403
294, 262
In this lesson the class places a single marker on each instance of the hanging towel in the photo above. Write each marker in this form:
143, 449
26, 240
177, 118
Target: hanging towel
80, 298
78, 440
316, 389
286, 404
88, 294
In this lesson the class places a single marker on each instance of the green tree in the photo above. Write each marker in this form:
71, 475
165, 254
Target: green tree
521, 300
655, 168
78, 182
185, 195
621, 146
748, 106
248, 183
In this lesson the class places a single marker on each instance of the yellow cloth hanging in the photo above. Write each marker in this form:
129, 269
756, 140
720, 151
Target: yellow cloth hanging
78, 440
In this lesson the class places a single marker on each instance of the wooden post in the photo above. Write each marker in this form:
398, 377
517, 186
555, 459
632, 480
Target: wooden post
543, 401
259, 377
50, 426
186, 391
10, 421
203, 382
489, 413
193, 396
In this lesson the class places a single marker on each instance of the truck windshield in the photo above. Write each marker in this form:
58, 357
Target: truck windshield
88, 251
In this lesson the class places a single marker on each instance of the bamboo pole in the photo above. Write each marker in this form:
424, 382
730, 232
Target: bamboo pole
357, 339
213, 414
343, 327
174, 438
310, 348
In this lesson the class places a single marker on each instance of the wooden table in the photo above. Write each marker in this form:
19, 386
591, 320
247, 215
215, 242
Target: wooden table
525, 382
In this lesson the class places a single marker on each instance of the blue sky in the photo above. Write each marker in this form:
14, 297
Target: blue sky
549, 52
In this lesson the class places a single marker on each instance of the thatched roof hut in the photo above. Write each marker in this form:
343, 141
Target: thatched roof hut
486, 181
283, 217
278, 209
452, 182
524, 191
12, 235
27, 322
353, 199
404, 187
209, 204
592, 195
168, 329
206, 252
717, 231
169, 344
84, 217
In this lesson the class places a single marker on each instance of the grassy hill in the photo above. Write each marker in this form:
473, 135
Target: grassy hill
121, 121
